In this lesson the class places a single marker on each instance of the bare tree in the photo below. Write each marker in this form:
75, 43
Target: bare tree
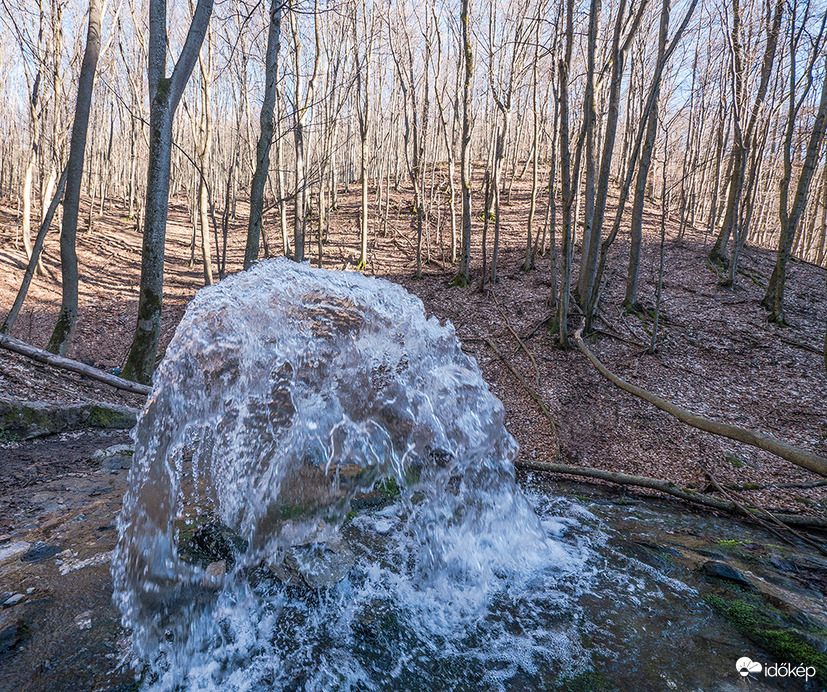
67, 317
164, 95
265, 139
465, 142
791, 216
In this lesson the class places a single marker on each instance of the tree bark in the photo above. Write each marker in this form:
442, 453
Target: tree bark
743, 138
16, 346
790, 220
165, 94
67, 317
465, 144
656, 484
630, 300
265, 139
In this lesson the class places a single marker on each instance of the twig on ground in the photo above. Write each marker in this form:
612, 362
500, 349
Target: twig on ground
733, 497
529, 389
517, 337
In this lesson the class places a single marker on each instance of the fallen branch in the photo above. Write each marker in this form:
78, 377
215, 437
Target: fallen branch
21, 347
733, 497
528, 388
774, 486
517, 337
798, 344
799, 457
537, 326
664, 486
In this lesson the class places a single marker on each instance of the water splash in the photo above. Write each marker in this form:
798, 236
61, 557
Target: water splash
285, 396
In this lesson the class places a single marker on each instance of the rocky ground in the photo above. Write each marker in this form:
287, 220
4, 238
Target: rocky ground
59, 629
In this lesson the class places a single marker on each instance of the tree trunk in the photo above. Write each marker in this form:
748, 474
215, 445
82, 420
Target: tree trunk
789, 221
565, 173
165, 93
67, 318
8, 323
465, 153
630, 300
265, 138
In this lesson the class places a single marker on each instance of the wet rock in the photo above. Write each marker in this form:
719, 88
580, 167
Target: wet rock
720, 570
659, 557
12, 636
818, 641
115, 457
216, 569
374, 628
12, 549
784, 564
316, 565
712, 554
40, 551
778, 628
213, 542
12, 601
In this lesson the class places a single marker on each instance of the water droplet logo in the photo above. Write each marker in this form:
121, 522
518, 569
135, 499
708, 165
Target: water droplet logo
745, 666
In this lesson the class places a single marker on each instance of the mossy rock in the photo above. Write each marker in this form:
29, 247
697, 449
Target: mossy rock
26, 420
782, 635
587, 681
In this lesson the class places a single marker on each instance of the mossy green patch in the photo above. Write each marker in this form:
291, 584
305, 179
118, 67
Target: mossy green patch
755, 277
105, 417
460, 281
389, 487
735, 461
771, 629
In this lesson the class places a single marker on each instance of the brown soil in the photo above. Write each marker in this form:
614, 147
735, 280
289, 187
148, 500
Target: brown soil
717, 355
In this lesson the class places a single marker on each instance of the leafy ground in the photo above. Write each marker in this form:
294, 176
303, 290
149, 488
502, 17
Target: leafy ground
717, 354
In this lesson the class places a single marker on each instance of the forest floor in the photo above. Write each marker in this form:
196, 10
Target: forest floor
717, 355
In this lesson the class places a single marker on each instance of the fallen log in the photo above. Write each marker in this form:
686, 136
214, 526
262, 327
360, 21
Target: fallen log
799, 457
22, 348
663, 486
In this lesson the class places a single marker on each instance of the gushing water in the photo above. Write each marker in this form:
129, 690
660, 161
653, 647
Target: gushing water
347, 477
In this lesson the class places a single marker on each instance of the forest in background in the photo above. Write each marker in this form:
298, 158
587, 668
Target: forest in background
714, 111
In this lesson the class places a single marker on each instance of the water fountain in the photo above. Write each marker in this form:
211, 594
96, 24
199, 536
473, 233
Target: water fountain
352, 472
322, 497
